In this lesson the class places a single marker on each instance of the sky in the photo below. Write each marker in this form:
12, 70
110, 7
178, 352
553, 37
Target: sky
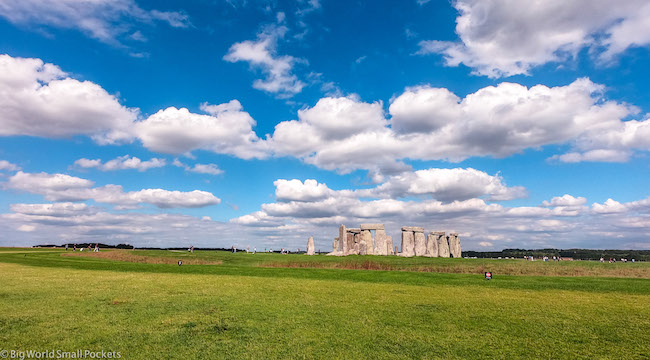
259, 123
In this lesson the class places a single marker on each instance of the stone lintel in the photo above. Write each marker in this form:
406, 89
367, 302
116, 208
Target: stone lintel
354, 230
413, 228
372, 227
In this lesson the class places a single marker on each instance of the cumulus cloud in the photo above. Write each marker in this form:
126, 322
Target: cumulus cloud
296, 190
54, 209
446, 185
565, 200
612, 206
311, 208
38, 99
121, 163
262, 54
429, 123
104, 20
210, 169
61, 187
7, 166
504, 37
226, 130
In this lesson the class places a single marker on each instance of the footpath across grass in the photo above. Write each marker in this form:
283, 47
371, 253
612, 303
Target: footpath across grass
238, 307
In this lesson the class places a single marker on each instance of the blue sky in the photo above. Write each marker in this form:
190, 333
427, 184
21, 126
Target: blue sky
260, 123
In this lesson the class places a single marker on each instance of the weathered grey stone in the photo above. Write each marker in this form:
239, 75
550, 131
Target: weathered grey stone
372, 227
365, 245
357, 241
454, 245
408, 244
432, 245
363, 249
350, 240
343, 244
389, 245
310, 246
420, 244
413, 228
443, 245
335, 248
380, 243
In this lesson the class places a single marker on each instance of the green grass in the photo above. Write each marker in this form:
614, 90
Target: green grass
243, 309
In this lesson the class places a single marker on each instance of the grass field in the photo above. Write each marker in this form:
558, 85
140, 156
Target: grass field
293, 306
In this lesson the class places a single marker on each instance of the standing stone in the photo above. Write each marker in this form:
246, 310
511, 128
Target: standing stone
343, 244
335, 247
408, 243
454, 245
389, 245
380, 242
432, 245
443, 245
310, 246
350, 240
420, 243
357, 241
365, 245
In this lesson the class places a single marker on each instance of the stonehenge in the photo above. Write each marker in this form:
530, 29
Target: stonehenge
360, 241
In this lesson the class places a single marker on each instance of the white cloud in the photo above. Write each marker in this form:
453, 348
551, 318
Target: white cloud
296, 190
61, 187
446, 185
226, 130
612, 206
121, 163
48, 184
428, 123
210, 169
609, 207
55, 209
565, 200
38, 99
7, 166
506, 37
262, 54
311, 208
598, 155
104, 20
26, 228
